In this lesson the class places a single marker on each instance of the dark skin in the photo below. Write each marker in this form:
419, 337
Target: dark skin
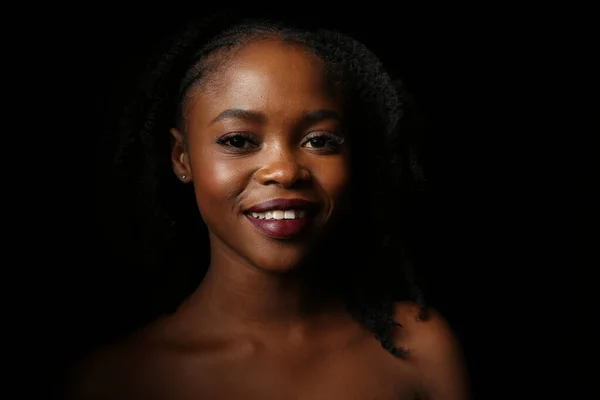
254, 329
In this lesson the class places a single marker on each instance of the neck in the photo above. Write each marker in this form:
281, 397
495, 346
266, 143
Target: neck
235, 295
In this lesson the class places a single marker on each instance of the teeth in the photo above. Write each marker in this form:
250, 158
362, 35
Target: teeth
289, 214
279, 214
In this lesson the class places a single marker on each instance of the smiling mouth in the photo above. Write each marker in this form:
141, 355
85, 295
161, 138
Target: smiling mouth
280, 224
279, 214
282, 218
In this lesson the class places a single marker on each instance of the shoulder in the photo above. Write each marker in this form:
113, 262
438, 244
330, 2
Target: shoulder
91, 376
431, 328
124, 369
97, 375
435, 351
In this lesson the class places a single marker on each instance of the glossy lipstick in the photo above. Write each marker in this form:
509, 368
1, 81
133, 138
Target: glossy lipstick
282, 228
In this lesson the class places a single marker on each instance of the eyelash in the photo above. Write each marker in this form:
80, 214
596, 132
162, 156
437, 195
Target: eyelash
333, 142
224, 140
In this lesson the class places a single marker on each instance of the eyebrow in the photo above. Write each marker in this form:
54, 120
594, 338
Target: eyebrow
239, 113
309, 117
312, 117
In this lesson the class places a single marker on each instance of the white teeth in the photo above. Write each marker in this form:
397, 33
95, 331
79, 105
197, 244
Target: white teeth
279, 214
289, 214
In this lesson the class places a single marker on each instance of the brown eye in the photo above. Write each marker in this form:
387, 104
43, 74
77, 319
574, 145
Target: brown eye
317, 142
237, 141
324, 141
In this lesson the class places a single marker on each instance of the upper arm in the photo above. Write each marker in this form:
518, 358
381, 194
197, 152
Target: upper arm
438, 356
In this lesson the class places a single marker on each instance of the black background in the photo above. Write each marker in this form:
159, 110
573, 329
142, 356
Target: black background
505, 227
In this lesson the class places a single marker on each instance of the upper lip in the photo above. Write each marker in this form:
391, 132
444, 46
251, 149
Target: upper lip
283, 204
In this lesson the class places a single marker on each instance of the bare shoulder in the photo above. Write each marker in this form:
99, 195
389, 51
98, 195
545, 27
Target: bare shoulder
130, 368
429, 328
96, 375
435, 351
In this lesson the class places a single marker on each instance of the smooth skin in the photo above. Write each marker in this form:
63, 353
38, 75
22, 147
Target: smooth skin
255, 329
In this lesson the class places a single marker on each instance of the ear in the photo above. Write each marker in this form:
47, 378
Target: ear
179, 157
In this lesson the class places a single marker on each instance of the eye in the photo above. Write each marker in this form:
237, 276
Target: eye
324, 141
316, 142
237, 141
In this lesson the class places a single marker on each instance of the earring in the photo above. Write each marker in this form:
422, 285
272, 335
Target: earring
183, 177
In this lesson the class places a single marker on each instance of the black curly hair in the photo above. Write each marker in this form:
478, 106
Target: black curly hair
153, 219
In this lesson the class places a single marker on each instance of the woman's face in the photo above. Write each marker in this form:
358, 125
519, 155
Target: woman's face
267, 155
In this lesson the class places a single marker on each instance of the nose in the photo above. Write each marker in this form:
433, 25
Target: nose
284, 170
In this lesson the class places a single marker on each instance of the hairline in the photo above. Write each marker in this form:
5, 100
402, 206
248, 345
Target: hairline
223, 58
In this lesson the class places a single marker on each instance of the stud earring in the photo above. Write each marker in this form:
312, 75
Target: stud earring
183, 177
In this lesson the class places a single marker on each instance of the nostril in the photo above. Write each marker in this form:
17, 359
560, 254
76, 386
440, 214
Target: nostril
283, 172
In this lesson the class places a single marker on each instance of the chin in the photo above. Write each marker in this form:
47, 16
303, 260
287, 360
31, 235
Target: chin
280, 260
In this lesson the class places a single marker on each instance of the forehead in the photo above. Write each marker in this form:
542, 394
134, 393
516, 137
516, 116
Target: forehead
268, 75
273, 56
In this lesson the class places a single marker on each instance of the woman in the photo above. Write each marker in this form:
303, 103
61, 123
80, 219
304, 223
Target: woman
286, 141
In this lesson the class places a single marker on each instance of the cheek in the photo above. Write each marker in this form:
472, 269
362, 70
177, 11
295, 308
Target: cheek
216, 182
334, 177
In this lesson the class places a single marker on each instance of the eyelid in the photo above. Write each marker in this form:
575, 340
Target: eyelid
250, 137
333, 142
246, 135
237, 133
335, 135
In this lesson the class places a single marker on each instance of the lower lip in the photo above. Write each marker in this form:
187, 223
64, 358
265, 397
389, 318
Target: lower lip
279, 228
